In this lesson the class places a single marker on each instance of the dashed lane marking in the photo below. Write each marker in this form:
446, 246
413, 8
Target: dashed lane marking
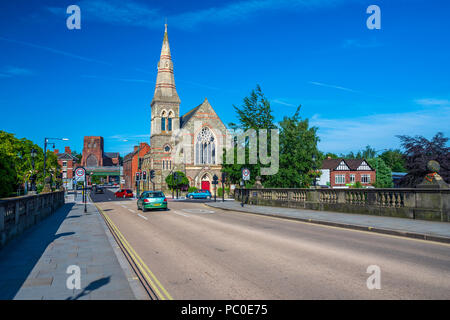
181, 214
140, 215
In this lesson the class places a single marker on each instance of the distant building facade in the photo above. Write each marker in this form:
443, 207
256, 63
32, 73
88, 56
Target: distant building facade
94, 155
100, 163
131, 165
340, 173
68, 163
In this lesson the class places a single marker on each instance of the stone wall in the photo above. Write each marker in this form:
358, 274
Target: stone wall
20, 213
424, 204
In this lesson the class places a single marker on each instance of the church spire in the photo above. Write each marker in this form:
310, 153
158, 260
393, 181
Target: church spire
165, 82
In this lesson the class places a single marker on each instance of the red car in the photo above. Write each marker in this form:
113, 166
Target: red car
124, 193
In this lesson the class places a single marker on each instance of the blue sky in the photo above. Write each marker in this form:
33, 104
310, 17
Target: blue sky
359, 86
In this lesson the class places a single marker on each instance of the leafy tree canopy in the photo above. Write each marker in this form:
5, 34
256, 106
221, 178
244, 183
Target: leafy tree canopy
16, 163
383, 175
255, 113
298, 145
418, 151
174, 183
395, 160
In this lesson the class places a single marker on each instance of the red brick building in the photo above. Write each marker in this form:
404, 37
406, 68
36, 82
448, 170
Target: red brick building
130, 165
94, 155
340, 173
68, 163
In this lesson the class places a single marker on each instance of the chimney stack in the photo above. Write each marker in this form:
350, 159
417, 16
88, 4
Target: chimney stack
56, 151
68, 150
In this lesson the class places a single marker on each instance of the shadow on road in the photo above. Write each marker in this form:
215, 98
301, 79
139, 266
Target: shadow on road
18, 258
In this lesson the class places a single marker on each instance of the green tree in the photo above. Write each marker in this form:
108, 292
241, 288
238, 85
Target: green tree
331, 156
255, 113
77, 156
172, 182
383, 175
16, 163
367, 153
418, 151
395, 160
298, 145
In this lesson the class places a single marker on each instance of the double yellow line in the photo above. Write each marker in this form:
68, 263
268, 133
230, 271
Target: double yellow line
152, 281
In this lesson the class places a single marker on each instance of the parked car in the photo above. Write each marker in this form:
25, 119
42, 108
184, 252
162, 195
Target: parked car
124, 193
199, 194
98, 190
152, 200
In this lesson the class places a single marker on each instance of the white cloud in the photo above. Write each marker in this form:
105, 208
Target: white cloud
332, 86
56, 51
354, 43
16, 71
12, 71
433, 102
117, 79
138, 14
279, 101
379, 131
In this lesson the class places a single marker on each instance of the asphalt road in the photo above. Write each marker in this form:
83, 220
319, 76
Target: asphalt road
197, 252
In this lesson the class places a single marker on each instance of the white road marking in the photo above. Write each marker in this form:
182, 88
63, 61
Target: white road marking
131, 210
142, 216
180, 214
198, 211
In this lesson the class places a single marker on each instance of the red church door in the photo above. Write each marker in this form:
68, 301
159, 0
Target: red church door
205, 185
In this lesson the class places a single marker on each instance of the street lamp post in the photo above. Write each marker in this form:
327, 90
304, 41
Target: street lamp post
33, 175
45, 148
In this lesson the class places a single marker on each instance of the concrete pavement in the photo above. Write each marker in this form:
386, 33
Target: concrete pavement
420, 229
34, 265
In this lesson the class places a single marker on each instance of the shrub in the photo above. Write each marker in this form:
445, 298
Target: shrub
220, 191
358, 185
192, 189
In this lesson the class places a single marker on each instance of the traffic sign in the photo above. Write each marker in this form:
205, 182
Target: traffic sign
80, 174
245, 174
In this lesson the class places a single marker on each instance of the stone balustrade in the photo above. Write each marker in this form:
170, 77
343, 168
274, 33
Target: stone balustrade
424, 204
19, 213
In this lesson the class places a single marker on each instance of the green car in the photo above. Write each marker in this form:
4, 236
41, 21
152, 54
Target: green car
152, 200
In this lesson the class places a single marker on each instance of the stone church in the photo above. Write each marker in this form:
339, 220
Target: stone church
190, 143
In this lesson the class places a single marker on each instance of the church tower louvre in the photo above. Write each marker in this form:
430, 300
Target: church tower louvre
165, 106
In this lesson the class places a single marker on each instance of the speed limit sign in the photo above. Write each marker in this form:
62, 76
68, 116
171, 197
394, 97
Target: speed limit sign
245, 174
80, 174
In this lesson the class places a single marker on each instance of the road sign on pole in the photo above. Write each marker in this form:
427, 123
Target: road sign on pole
80, 174
245, 174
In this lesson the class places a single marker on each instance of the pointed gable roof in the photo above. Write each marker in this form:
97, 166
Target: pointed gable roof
65, 156
352, 164
185, 118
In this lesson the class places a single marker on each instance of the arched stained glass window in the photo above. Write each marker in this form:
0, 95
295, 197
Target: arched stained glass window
205, 147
